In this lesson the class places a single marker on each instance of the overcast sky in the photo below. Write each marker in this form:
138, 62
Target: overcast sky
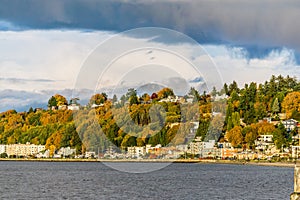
45, 44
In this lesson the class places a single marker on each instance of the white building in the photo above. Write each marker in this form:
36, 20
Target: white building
73, 107
2, 148
24, 149
136, 152
45, 154
199, 147
264, 142
170, 99
66, 151
290, 124
90, 154
295, 151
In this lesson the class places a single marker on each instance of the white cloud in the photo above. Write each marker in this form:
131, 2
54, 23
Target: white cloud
33, 61
55, 55
233, 64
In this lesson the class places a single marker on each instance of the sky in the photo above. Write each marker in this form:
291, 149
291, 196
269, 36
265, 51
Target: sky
45, 46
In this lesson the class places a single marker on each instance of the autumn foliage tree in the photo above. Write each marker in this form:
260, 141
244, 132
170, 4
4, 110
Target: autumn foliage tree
291, 103
165, 92
57, 100
98, 99
234, 136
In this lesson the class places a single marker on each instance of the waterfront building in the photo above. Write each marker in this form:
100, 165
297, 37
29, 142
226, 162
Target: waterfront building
295, 151
264, 143
229, 153
24, 149
136, 152
2, 148
90, 154
198, 148
43, 154
213, 152
66, 151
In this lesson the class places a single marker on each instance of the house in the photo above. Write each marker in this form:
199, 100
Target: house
282, 116
2, 148
264, 142
182, 148
24, 149
248, 155
90, 154
66, 151
170, 99
295, 151
213, 152
224, 145
266, 119
200, 148
45, 154
62, 107
290, 124
136, 152
157, 150
189, 136
73, 107
229, 153
96, 105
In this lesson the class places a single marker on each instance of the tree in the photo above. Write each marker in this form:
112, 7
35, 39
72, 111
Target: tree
235, 119
131, 96
291, 103
195, 94
235, 136
233, 87
275, 106
215, 128
114, 99
228, 118
52, 102
145, 97
280, 136
226, 90
98, 99
164, 93
229, 124
214, 92
61, 100
260, 110
123, 99
30, 110
250, 136
203, 127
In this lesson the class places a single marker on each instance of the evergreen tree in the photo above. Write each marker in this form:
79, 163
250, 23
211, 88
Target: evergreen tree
226, 90
114, 99
275, 106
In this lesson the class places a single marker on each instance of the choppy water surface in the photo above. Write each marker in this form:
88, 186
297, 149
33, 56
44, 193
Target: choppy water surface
75, 180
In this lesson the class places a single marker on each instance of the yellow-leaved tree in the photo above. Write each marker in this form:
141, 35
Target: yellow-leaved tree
164, 93
291, 103
234, 136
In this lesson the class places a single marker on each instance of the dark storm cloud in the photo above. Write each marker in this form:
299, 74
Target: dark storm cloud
259, 25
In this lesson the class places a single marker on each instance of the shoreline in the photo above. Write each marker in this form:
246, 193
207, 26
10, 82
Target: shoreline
204, 161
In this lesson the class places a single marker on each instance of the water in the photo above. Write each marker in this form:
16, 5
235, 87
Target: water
70, 180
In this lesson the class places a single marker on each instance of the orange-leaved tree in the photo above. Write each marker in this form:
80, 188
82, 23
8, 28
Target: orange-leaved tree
291, 103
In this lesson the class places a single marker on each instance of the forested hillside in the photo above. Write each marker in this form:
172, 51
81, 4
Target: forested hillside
160, 119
